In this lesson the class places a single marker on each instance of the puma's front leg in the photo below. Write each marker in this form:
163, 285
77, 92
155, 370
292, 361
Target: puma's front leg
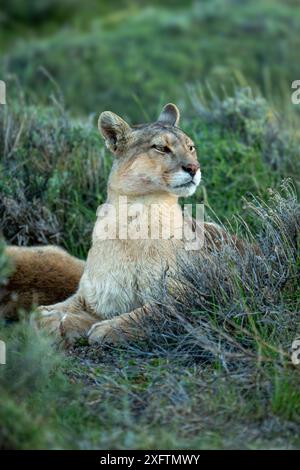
118, 329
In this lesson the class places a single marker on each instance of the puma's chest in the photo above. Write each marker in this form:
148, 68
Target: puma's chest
119, 274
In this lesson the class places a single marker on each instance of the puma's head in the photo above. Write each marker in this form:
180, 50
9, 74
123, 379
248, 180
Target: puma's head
150, 158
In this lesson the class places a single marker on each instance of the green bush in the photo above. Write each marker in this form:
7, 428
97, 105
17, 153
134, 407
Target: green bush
4, 265
52, 177
33, 11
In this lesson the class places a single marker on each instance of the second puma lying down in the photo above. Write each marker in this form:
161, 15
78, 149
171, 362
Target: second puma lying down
154, 165
39, 275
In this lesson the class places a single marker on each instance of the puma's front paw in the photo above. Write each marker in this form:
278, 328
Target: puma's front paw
62, 326
105, 332
45, 318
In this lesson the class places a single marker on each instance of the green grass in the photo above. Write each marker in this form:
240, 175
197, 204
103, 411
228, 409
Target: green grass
223, 378
121, 401
211, 41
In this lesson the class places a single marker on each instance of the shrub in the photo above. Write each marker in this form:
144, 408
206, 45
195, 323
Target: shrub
33, 11
231, 306
253, 122
52, 177
33, 392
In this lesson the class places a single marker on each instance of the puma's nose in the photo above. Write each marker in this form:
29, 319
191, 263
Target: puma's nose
191, 168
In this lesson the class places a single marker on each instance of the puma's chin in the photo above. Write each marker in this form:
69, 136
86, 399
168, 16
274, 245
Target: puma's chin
183, 187
185, 190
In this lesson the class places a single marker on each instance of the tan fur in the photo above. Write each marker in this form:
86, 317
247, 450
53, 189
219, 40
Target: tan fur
154, 164
40, 275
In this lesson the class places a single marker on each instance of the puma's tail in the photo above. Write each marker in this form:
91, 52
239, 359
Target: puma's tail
40, 276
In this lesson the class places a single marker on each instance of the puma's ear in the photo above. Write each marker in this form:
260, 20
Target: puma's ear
113, 129
169, 115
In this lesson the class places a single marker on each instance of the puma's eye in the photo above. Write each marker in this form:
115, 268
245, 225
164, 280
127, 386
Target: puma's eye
161, 148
